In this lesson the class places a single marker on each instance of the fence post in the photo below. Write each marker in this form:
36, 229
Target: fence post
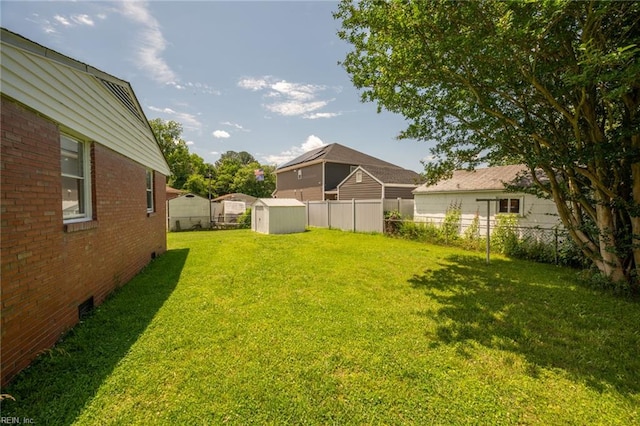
353, 214
555, 252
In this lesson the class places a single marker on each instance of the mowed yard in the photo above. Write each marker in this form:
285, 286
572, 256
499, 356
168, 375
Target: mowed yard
331, 327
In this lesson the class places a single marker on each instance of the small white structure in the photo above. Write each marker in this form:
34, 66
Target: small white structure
188, 212
278, 216
464, 188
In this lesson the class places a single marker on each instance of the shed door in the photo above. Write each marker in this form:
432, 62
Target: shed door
261, 225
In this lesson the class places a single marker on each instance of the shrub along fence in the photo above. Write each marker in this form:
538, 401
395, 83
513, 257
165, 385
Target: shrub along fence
548, 245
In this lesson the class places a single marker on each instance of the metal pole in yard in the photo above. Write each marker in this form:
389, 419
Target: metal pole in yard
488, 200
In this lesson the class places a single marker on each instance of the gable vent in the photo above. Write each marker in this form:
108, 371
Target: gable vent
123, 95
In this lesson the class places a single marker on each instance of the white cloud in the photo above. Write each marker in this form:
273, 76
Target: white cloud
221, 134
151, 43
74, 20
62, 20
317, 115
200, 87
254, 84
82, 20
235, 125
190, 142
189, 121
59, 21
312, 142
287, 98
295, 108
151, 46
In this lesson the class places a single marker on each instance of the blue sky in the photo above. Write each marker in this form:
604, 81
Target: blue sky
261, 77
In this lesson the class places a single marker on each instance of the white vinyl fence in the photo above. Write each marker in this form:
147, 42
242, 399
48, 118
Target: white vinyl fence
354, 215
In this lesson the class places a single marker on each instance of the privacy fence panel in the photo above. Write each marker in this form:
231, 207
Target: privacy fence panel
404, 206
318, 214
341, 215
354, 215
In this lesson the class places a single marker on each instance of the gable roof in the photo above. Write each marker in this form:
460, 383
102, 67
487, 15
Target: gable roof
392, 175
335, 153
487, 179
236, 196
85, 102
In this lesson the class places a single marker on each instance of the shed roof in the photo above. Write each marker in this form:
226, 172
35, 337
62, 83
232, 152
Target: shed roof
336, 153
84, 101
490, 178
236, 196
279, 202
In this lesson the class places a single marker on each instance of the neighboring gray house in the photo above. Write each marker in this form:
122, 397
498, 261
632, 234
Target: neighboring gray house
378, 183
465, 187
278, 216
315, 175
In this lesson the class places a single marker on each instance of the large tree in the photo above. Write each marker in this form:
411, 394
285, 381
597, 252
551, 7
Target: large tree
554, 85
182, 163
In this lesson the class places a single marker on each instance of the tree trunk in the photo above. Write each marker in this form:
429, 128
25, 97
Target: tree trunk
611, 266
635, 212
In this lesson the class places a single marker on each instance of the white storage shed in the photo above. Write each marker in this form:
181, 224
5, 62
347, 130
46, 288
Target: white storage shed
278, 216
188, 212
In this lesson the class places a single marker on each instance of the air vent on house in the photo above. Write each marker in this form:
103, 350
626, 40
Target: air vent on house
124, 96
85, 308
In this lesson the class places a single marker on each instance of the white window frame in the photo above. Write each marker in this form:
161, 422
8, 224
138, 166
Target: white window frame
150, 191
359, 176
84, 154
509, 200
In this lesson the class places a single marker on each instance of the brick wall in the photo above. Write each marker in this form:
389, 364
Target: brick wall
49, 268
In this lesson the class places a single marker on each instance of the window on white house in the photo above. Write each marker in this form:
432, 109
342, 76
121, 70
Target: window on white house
149, 191
359, 176
509, 205
76, 175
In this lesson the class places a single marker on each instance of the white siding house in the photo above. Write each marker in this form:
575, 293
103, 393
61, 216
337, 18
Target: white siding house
278, 216
83, 100
464, 188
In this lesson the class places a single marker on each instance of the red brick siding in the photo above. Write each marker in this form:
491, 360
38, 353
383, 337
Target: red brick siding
49, 268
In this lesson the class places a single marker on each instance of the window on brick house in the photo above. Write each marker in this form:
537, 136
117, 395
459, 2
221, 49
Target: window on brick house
76, 175
149, 191
509, 205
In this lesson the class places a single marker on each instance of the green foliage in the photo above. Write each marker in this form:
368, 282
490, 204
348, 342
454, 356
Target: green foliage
182, 163
392, 222
471, 239
233, 172
244, 220
196, 184
450, 229
420, 231
504, 237
552, 85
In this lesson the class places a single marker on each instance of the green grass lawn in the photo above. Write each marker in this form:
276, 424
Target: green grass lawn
330, 327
